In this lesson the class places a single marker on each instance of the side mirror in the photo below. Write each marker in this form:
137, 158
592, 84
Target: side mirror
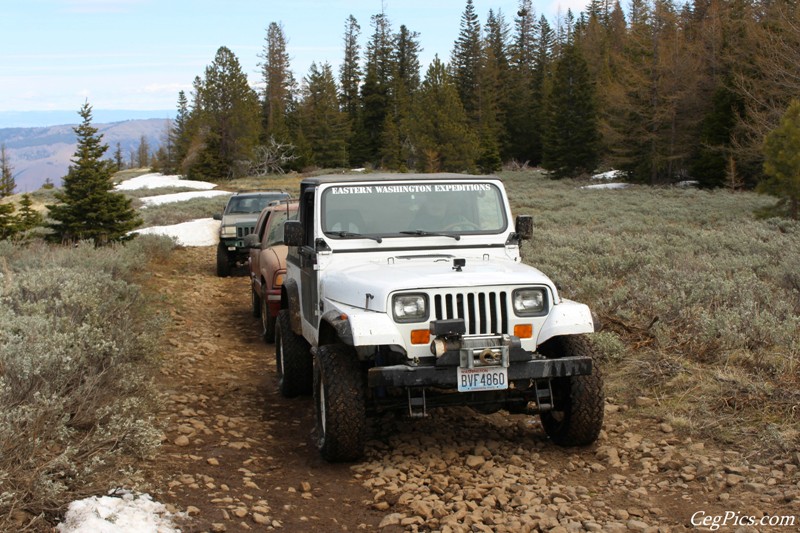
217, 216
524, 227
292, 233
251, 241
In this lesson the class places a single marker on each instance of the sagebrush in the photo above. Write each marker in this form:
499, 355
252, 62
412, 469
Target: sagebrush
78, 347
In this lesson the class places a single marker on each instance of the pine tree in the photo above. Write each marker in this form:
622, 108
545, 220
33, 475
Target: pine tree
782, 160
179, 133
494, 76
279, 86
28, 217
350, 74
521, 129
88, 208
7, 181
8, 221
404, 83
118, 160
323, 124
571, 139
465, 62
368, 137
143, 153
442, 137
227, 120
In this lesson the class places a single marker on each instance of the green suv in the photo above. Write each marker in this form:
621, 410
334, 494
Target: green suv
237, 221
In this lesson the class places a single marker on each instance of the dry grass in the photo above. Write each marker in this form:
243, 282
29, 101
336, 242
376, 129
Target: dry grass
698, 301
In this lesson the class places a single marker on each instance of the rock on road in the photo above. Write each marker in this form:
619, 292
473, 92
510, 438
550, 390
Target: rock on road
239, 457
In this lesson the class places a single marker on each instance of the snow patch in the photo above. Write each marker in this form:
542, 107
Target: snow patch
610, 175
200, 232
129, 513
607, 186
156, 180
180, 197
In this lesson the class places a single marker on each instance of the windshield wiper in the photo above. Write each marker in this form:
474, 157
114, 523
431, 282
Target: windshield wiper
351, 235
423, 233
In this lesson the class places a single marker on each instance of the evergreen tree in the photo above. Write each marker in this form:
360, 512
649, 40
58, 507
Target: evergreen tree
7, 181
350, 77
521, 108
88, 208
118, 160
8, 221
571, 139
227, 120
782, 160
465, 62
494, 76
28, 217
404, 83
442, 137
323, 124
179, 133
143, 153
279, 86
367, 141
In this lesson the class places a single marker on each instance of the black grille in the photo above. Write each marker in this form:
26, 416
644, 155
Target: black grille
482, 312
243, 231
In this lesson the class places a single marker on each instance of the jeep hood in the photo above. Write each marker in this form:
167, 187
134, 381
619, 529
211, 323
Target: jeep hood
351, 284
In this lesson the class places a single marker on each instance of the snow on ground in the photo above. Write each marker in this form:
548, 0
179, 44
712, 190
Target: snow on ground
200, 232
180, 197
607, 186
126, 514
156, 180
610, 175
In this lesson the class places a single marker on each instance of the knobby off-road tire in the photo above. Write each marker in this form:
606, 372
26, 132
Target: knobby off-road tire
223, 262
339, 399
267, 320
577, 415
292, 359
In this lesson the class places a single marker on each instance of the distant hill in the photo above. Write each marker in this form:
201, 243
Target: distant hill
39, 154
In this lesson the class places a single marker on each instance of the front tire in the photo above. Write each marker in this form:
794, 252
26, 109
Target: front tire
292, 359
578, 401
339, 399
223, 262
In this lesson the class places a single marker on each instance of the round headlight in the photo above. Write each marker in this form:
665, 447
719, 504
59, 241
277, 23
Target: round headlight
528, 302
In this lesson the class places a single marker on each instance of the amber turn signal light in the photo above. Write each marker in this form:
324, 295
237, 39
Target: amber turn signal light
523, 331
420, 336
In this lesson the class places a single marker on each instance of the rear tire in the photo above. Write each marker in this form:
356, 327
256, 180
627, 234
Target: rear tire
223, 262
578, 401
339, 401
267, 320
292, 358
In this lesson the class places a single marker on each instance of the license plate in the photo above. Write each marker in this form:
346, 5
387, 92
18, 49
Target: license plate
482, 378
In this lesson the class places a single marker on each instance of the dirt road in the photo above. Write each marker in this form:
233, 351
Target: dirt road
239, 457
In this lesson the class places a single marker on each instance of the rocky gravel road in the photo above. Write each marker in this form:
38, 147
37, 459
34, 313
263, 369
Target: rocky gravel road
239, 457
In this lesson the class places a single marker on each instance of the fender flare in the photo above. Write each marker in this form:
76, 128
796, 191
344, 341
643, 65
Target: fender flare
290, 299
566, 318
338, 327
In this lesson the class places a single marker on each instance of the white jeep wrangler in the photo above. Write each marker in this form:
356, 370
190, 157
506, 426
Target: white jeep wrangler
407, 292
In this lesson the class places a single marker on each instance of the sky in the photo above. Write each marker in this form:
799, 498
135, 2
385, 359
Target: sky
137, 54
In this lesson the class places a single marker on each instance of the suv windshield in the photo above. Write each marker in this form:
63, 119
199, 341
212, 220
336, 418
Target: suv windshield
252, 204
400, 209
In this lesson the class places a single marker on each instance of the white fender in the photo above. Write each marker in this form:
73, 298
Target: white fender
566, 318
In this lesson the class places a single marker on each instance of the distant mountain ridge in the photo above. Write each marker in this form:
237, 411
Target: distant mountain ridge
42, 153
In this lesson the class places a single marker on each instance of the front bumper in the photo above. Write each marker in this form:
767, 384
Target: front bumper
446, 376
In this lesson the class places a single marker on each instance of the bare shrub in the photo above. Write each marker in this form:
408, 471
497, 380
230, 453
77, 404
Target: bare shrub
272, 158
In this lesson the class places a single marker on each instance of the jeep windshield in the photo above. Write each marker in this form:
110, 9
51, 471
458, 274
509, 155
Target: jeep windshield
424, 209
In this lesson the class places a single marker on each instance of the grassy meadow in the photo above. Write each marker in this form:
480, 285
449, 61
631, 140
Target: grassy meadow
698, 302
